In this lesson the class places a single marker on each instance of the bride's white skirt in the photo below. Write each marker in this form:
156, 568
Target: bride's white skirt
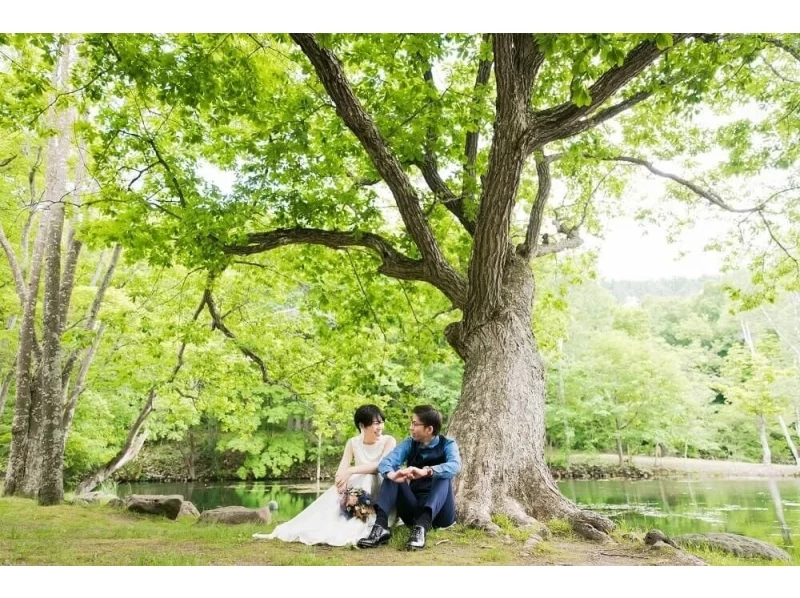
323, 522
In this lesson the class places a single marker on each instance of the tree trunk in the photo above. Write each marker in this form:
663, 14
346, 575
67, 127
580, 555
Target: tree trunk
499, 422
789, 440
766, 455
191, 457
26, 423
4, 390
797, 419
36, 459
563, 402
619, 441
51, 491
128, 452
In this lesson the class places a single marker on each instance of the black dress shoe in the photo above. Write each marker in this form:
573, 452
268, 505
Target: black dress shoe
417, 540
377, 536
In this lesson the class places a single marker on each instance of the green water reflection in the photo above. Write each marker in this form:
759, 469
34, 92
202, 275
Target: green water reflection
765, 509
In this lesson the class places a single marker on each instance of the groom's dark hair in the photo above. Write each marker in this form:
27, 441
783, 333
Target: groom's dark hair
429, 416
366, 415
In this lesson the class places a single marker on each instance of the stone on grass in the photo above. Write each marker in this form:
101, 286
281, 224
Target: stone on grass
90, 498
188, 510
735, 544
237, 515
168, 505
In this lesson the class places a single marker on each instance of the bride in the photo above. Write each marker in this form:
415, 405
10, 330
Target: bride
323, 522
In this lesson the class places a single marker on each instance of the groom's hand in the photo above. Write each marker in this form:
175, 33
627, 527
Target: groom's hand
415, 473
401, 475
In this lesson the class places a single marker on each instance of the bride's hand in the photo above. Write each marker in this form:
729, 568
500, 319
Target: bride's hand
341, 480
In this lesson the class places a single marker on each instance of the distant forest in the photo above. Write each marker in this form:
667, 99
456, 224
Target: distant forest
680, 287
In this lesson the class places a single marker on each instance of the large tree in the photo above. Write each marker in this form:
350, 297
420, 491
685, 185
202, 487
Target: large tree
461, 133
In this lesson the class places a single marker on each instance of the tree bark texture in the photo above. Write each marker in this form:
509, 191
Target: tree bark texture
51, 490
22, 471
499, 422
36, 458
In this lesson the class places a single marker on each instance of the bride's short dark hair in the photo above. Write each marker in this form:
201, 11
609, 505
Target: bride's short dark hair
366, 415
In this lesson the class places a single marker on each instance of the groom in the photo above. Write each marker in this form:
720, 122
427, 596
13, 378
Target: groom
423, 490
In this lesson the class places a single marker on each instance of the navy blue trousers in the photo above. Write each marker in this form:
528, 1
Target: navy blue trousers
410, 505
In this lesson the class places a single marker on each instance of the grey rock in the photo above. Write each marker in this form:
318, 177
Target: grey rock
735, 544
236, 515
90, 498
155, 504
188, 510
656, 536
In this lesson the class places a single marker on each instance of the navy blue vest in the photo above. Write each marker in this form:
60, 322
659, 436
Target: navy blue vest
430, 457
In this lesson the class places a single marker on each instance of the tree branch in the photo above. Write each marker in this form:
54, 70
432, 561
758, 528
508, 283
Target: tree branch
430, 171
91, 315
778, 43
705, 194
394, 263
74, 246
218, 324
444, 195
537, 209
366, 297
516, 61
7, 161
101, 291
331, 74
4, 389
572, 241
777, 241
471, 144
19, 281
582, 125
80, 382
31, 212
557, 122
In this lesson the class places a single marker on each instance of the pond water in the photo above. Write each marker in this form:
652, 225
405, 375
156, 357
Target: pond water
764, 509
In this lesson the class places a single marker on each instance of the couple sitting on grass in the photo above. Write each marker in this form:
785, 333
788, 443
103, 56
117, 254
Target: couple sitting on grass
377, 489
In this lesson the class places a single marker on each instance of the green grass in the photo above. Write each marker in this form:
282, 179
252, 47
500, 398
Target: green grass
560, 528
101, 535
512, 531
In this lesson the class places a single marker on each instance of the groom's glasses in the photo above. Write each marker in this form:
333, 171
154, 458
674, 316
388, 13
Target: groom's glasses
415, 424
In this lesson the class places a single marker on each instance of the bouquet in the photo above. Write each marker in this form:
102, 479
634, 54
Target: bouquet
356, 502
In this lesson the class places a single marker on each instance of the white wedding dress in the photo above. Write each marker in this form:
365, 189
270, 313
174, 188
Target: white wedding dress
323, 522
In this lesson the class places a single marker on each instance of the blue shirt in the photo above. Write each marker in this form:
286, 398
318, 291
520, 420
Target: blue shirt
449, 469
